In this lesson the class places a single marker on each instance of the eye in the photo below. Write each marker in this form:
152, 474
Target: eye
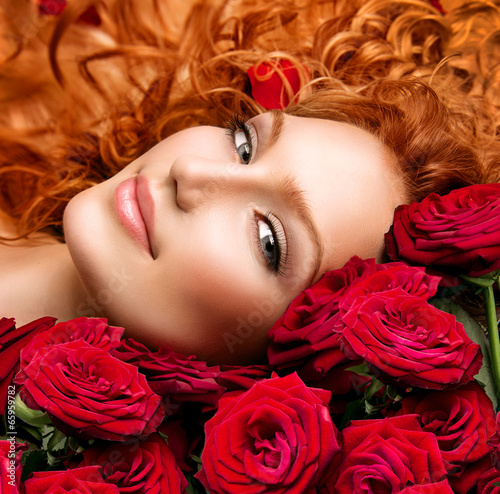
271, 242
268, 242
242, 145
241, 138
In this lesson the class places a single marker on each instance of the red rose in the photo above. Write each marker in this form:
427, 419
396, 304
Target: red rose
303, 337
442, 487
275, 83
93, 394
437, 5
138, 466
12, 340
94, 331
406, 340
10, 465
175, 377
304, 332
87, 480
51, 7
277, 437
487, 481
413, 280
469, 476
385, 456
462, 420
494, 443
56, 7
459, 230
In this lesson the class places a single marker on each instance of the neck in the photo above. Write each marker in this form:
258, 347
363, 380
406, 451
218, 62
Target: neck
39, 280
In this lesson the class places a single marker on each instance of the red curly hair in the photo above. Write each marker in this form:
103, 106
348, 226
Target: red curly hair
82, 101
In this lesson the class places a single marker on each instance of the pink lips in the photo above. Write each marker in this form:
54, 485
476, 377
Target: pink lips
129, 211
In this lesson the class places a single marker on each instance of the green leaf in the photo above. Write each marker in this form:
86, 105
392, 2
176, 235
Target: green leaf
34, 431
36, 418
393, 393
47, 431
163, 436
57, 441
74, 445
194, 486
476, 333
375, 385
34, 460
53, 460
197, 459
373, 409
488, 280
361, 369
354, 410
190, 489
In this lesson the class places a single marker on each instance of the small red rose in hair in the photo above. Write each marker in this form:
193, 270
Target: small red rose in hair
437, 5
56, 7
274, 83
51, 7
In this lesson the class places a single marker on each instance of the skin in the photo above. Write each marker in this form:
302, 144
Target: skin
208, 290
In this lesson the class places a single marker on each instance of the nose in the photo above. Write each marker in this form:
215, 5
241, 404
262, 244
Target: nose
199, 179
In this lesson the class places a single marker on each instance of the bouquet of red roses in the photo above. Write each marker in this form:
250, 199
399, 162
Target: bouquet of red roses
377, 381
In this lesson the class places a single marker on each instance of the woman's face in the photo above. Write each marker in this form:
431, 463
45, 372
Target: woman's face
201, 243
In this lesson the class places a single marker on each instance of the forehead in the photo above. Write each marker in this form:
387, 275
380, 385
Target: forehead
349, 180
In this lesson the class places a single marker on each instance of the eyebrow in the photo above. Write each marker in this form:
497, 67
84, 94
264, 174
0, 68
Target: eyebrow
276, 128
295, 198
294, 195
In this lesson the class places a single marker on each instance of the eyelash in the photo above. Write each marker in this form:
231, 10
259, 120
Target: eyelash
276, 229
235, 123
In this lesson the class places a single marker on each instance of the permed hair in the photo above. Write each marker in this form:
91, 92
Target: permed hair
80, 102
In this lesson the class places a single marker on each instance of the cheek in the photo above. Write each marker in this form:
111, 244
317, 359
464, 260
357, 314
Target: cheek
85, 229
222, 303
215, 280
109, 264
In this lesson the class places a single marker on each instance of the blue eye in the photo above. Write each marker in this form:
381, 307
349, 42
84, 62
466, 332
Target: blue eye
268, 243
243, 146
271, 241
241, 138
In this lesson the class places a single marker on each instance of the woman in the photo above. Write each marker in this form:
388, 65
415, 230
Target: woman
127, 198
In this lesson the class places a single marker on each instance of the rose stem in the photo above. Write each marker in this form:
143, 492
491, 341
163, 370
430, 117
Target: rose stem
492, 324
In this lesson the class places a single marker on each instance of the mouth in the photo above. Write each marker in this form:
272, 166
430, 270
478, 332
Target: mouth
128, 204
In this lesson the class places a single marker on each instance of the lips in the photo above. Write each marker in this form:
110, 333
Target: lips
131, 198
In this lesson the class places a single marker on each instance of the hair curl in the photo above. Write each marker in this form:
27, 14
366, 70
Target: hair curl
80, 102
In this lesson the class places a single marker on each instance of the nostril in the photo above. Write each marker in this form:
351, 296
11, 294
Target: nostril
177, 196
185, 196
173, 189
